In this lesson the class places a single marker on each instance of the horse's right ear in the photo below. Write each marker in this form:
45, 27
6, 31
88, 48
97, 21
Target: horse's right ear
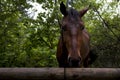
63, 9
83, 11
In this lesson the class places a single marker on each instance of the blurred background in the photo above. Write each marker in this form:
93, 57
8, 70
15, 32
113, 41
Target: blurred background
29, 31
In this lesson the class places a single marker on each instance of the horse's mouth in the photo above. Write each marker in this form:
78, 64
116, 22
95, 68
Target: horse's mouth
74, 65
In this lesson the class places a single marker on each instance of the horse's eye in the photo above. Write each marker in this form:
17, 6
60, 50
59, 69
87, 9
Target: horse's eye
64, 28
81, 27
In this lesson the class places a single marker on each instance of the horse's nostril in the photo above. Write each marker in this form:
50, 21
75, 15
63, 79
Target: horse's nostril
69, 59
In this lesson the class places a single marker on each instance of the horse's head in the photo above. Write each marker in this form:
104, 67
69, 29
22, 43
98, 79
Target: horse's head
72, 27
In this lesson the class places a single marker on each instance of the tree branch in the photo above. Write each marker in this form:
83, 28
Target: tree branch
105, 23
57, 14
41, 39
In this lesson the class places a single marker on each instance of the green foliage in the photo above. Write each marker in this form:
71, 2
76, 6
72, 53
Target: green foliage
27, 42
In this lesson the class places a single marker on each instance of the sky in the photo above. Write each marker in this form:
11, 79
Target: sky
35, 10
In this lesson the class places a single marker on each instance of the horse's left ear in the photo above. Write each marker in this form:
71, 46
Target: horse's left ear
63, 9
83, 11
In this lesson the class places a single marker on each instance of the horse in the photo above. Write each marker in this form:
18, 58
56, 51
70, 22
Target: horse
74, 44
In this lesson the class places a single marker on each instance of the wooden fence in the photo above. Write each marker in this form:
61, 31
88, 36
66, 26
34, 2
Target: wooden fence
59, 74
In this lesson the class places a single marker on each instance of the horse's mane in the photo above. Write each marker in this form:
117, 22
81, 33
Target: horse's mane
72, 13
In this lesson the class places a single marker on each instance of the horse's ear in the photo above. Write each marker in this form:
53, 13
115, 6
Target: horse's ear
83, 11
63, 9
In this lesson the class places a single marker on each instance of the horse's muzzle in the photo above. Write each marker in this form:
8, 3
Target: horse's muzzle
74, 62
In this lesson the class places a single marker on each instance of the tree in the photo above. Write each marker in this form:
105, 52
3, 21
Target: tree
27, 42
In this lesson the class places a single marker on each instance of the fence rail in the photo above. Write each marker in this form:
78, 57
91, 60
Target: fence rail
59, 74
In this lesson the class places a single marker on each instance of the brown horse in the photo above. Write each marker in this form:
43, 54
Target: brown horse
74, 44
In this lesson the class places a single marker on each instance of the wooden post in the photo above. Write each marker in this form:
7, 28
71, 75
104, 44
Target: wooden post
59, 74
93, 74
31, 73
